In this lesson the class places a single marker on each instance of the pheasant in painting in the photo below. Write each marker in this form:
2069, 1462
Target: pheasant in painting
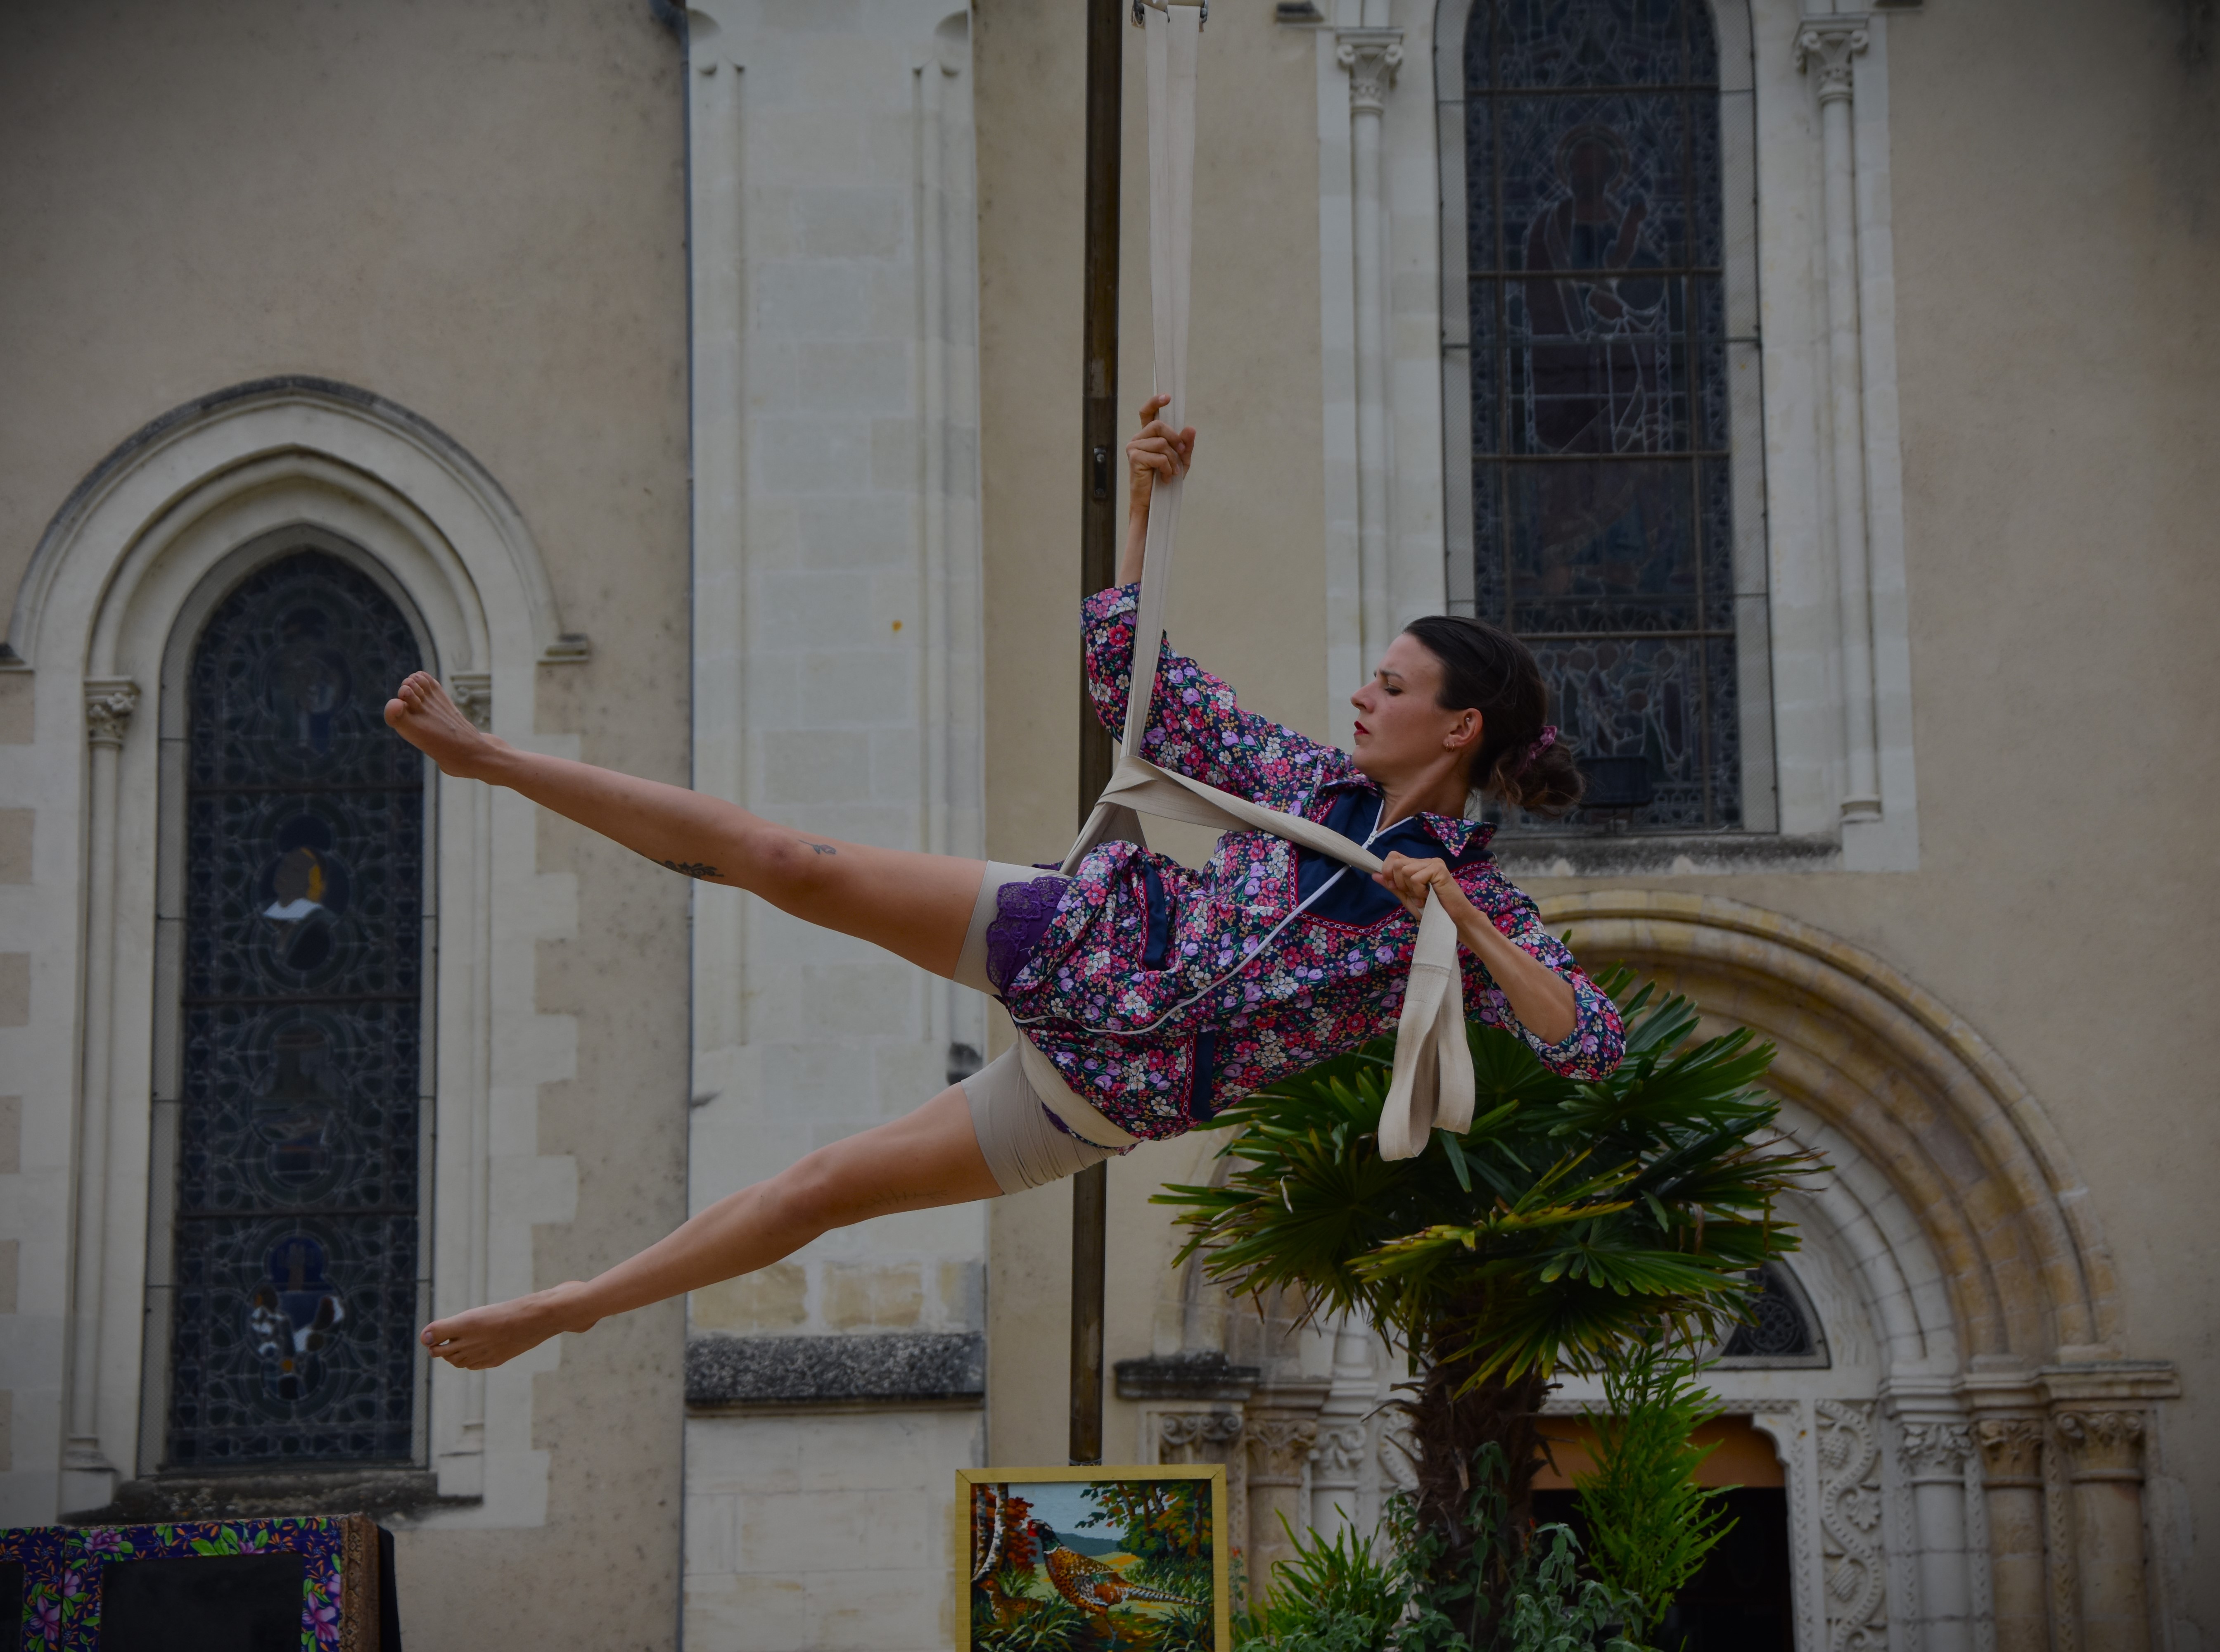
1088, 1584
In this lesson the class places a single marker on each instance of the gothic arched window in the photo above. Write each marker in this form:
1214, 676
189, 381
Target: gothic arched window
295, 1239
1603, 496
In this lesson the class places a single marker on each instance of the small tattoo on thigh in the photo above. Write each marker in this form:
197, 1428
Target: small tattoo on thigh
690, 868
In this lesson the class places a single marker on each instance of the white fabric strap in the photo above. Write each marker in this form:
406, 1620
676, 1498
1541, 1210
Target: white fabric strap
1432, 1081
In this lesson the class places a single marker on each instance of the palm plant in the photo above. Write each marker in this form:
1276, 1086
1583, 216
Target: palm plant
1570, 1218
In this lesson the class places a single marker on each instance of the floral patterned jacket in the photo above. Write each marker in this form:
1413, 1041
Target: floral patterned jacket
1161, 994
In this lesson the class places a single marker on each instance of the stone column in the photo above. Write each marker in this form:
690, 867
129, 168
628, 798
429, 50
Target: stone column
1338, 1461
1282, 1429
2103, 1465
2011, 1470
87, 1477
1371, 56
1830, 45
1933, 1454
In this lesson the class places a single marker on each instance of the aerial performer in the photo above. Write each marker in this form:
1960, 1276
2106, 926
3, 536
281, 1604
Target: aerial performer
1351, 895
1156, 994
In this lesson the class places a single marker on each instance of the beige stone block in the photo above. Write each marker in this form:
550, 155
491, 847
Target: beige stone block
16, 688
747, 1613
858, 685
12, 1254
864, 377
815, 767
15, 989
847, 223
11, 1134
823, 455
16, 846
770, 1298
878, 1611
7, 1429
859, 1295
710, 1524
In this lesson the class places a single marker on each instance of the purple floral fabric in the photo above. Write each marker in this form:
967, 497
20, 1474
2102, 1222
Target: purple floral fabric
1162, 993
63, 1565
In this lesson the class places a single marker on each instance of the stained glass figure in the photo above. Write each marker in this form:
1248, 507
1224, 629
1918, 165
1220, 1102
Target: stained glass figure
296, 1247
1602, 519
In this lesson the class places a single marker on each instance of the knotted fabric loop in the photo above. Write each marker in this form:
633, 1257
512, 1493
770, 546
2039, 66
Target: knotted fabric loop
1431, 1084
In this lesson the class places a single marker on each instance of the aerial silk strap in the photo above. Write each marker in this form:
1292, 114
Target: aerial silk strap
1431, 1084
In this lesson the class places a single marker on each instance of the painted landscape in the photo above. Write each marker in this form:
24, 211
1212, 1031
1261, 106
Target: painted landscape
1085, 1566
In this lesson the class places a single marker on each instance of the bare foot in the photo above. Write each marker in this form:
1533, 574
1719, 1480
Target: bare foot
422, 715
497, 1333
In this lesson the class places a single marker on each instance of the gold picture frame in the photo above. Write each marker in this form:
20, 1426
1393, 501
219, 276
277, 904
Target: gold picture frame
1061, 1543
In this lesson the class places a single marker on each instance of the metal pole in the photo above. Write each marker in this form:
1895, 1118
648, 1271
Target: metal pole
1099, 525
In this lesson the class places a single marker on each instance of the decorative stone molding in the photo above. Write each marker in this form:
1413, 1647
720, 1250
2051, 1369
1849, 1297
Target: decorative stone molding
1398, 1454
2011, 1450
1196, 1435
108, 704
1850, 1524
1911, 1086
1279, 1446
1936, 1451
1831, 44
2102, 1444
917, 1367
472, 692
1201, 1374
1372, 56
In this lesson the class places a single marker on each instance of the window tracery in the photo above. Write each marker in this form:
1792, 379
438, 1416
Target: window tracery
296, 1251
1602, 494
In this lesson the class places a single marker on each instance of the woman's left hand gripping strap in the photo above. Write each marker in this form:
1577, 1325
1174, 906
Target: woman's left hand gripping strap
1432, 1084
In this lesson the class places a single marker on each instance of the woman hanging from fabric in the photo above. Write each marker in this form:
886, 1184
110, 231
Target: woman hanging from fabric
1158, 993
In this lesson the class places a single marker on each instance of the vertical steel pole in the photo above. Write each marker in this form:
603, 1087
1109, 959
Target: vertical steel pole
1098, 524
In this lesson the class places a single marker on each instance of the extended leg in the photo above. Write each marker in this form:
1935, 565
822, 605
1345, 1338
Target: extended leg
916, 906
930, 1157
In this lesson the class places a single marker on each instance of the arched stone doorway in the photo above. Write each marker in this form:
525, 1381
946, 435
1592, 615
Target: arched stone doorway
1963, 1453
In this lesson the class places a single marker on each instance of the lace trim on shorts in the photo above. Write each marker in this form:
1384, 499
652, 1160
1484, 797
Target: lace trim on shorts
1023, 913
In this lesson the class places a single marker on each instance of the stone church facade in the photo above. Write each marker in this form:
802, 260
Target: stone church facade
694, 392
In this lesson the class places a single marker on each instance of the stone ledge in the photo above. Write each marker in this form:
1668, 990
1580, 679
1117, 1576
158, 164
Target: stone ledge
385, 1494
1552, 854
1203, 1375
913, 1366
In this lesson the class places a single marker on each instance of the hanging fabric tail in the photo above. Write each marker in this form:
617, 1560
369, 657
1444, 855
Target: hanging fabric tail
1432, 1083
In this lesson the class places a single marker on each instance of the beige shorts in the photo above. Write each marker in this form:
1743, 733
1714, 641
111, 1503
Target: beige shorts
1023, 1146
1020, 1138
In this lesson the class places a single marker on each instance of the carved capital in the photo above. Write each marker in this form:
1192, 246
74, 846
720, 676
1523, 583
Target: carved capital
2102, 1444
1935, 1451
1196, 1435
2011, 1450
1339, 1454
1278, 1447
1371, 56
109, 703
1830, 43
472, 692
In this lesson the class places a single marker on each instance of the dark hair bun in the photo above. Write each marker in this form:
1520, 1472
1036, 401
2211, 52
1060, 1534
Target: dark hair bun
1486, 668
1549, 783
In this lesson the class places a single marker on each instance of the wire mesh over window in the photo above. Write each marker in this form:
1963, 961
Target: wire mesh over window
1776, 1328
299, 1144
1603, 529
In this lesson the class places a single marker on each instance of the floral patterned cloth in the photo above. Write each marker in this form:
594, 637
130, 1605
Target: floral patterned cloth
1162, 993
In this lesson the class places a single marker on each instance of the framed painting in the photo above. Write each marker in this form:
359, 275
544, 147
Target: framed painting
1092, 1560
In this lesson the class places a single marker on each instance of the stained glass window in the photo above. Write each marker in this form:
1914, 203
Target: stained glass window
1601, 494
1776, 1329
295, 1227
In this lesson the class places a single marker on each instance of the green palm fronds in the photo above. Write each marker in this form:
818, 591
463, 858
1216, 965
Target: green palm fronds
1570, 1217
